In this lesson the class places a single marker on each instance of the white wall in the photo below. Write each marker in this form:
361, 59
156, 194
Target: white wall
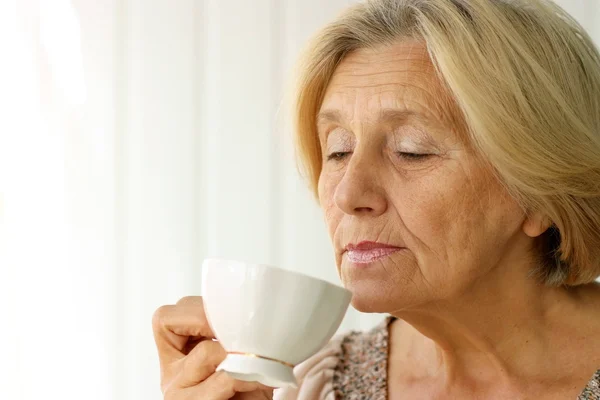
181, 151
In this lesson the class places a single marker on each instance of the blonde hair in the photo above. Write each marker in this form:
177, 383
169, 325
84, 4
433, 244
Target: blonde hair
526, 79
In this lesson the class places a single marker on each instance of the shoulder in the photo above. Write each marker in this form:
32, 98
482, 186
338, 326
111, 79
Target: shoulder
349, 362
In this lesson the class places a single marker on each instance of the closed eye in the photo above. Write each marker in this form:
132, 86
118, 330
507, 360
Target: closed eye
338, 156
413, 156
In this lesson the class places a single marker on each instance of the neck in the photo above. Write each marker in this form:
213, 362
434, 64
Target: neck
503, 330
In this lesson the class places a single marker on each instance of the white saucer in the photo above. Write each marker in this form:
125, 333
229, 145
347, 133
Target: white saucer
255, 369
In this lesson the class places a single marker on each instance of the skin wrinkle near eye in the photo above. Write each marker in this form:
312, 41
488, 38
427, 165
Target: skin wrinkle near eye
338, 140
412, 140
423, 141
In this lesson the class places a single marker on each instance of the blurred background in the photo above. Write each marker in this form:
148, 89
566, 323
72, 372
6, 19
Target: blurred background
138, 137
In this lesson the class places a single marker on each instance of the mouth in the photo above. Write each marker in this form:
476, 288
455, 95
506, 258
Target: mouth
369, 252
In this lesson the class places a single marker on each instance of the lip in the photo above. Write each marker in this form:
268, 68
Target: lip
367, 252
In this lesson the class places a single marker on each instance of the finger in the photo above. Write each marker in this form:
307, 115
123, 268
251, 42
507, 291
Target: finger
174, 325
219, 386
201, 363
190, 301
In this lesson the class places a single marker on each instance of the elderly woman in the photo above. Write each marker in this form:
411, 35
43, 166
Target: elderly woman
454, 146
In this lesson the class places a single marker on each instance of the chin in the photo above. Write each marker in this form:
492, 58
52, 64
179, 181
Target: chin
367, 306
368, 297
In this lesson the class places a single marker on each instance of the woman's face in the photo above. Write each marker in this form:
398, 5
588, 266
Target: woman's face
397, 172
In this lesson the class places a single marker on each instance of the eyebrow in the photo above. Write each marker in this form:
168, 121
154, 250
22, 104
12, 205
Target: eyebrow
385, 115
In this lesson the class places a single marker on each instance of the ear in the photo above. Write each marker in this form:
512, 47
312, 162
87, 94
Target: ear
535, 224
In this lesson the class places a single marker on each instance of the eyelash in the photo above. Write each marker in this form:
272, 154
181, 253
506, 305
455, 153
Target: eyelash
337, 156
340, 155
412, 156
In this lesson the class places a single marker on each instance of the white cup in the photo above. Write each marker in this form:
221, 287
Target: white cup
269, 319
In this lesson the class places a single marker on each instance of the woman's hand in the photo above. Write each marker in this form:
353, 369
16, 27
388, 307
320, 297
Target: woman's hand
189, 357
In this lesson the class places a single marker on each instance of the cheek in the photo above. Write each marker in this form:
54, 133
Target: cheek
426, 211
457, 217
433, 208
327, 185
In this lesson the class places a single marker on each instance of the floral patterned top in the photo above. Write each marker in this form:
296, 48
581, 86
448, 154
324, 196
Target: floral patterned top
354, 367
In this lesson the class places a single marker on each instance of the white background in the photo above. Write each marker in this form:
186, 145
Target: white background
137, 138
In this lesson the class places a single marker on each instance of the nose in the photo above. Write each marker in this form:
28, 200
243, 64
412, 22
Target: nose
359, 192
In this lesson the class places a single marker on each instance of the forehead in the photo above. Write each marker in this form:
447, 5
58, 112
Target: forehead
399, 76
